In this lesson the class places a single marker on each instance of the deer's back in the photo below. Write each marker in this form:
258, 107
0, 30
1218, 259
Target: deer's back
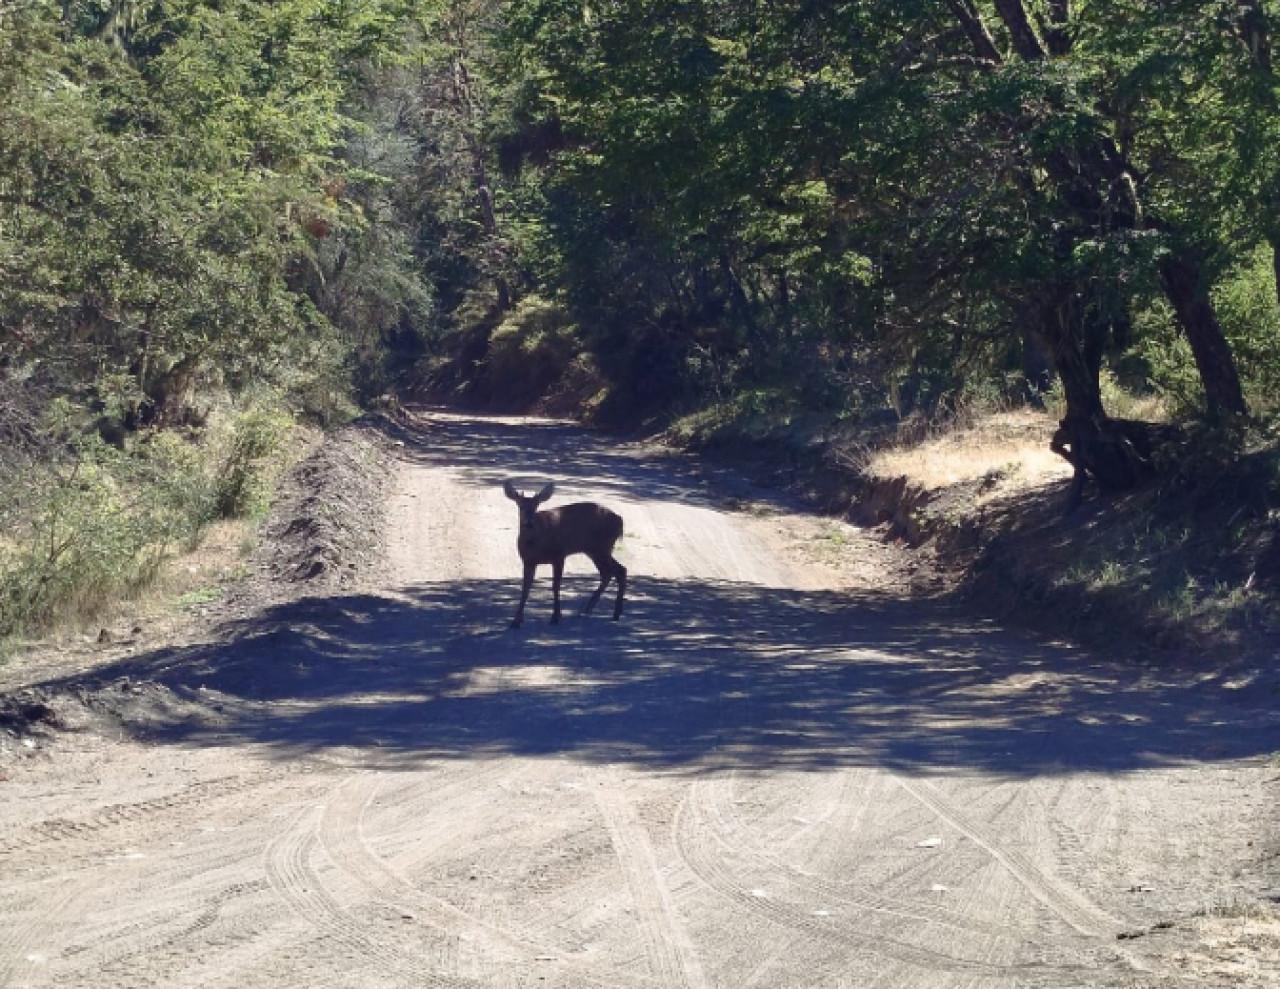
583, 527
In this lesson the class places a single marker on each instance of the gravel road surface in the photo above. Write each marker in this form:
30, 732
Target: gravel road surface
777, 770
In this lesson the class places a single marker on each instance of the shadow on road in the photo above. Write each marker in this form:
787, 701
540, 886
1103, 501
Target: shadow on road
486, 451
697, 676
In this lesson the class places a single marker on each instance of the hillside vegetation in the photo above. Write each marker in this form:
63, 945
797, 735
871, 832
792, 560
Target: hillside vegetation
817, 236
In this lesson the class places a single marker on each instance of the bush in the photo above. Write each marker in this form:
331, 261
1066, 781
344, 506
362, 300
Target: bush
530, 351
249, 463
94, 524
91, 529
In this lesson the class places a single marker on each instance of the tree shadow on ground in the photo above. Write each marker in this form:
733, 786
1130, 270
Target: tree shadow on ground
697, 676
486, 451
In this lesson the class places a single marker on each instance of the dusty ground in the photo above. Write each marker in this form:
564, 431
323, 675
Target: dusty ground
778, 770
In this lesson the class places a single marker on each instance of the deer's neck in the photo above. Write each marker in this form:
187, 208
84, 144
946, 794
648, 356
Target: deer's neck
536, 541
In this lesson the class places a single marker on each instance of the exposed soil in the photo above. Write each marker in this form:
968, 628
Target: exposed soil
785, 766
1190, 565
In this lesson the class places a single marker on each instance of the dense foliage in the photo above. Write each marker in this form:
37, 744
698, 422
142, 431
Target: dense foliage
853, 206
863, 202
934, 192
195, 233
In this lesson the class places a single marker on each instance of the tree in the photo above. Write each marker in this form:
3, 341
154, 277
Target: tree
165, 170
1090, 165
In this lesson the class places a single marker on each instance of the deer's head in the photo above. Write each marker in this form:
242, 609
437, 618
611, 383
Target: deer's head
528, 504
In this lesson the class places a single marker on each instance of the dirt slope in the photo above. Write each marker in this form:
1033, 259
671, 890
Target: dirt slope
776, 771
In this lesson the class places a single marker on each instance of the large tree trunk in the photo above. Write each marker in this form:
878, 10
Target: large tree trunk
1037, 367
1056, 36
1274, 240
1115, 454
1025, 40
1188, 291
1101, 165
459, 27
970, 18
1074, 342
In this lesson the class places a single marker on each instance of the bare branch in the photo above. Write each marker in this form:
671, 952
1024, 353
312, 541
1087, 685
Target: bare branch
951, 61
1025, 40
975, 30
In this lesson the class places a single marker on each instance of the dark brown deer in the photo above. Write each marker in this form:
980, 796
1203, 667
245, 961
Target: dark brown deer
550, 536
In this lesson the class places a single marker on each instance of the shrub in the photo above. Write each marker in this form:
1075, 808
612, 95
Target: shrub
249, 465
91, 528
94, 523
530, 351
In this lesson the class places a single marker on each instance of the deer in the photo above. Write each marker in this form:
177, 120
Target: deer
551, 535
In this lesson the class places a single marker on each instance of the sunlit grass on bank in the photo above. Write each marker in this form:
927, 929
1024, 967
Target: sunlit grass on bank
91, 528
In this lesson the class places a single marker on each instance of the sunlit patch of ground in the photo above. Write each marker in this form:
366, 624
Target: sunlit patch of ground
1241, 946
1011, 447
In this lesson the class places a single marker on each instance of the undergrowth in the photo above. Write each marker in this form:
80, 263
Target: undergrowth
89, 523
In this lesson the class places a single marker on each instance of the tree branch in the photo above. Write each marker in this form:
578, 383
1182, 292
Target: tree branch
1055, 28
1254, 31
984, 46
951, 61
1025, 40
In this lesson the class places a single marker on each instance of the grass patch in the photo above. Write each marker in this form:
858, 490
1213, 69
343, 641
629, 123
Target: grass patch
92, 525
754, 414
1191, 561
1001, 449
194, 599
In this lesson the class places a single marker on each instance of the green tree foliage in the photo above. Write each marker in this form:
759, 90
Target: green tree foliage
928, 190
696, 213
862, 202
167, 170
201, 203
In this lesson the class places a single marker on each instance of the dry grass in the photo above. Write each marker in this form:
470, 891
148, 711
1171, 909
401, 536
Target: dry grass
1012, 446
184, 581
1239, 945
220, 557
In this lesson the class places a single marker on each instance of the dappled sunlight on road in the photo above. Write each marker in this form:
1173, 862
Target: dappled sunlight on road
697, 674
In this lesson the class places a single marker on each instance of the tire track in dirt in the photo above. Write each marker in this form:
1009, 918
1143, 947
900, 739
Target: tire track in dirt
287, 862
195, 794
669, 949
42, 927
487, 950
50, 922
118, 962
341, 828
706, 849
826, 827
712, 804
1081, 914
839, 814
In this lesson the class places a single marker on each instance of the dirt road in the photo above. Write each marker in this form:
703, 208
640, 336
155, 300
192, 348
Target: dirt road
775, 771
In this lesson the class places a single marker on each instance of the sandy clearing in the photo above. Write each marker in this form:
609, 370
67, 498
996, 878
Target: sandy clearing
773, 772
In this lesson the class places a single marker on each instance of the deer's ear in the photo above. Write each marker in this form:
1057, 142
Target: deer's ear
545, 493
511, 491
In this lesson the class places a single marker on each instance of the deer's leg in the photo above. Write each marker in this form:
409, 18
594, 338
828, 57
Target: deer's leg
620, 572
605, 566
557, 573
529, 570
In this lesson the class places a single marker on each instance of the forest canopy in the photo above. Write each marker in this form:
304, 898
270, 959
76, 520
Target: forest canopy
890, 201
852, 206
